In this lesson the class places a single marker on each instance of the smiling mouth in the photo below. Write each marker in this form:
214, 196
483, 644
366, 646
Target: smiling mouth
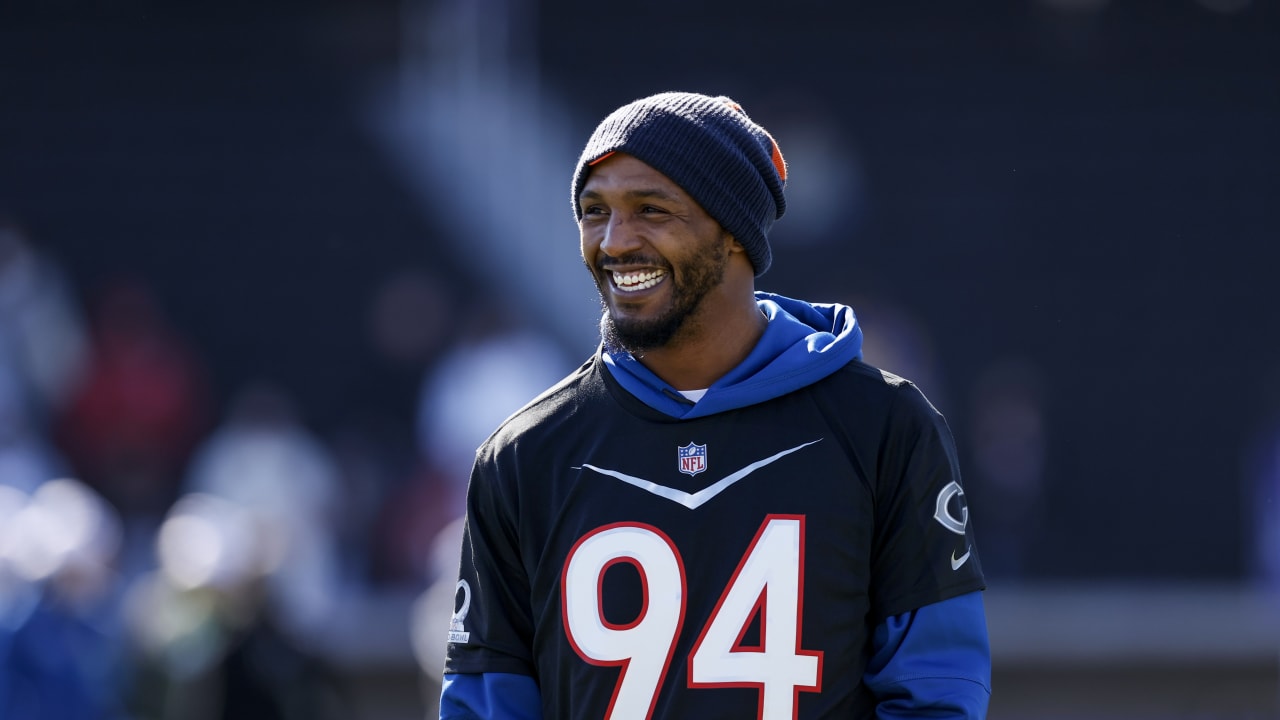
637, 281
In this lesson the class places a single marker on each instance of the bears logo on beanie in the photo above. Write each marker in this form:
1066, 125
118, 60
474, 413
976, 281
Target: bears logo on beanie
710, 148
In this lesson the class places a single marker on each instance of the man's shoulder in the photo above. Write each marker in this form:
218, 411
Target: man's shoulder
553, 406
874, 389
859, 376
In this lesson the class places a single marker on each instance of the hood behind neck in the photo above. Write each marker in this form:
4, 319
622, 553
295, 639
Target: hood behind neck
803, 343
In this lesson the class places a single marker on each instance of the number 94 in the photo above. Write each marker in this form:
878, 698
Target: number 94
769, 582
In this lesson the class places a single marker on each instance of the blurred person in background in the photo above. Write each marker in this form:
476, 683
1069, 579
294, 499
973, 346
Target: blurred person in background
62, 651
41, 329
724, 513
27, 458
263, 459
131, 424
207, 633
409, 324
494, 366
17, 596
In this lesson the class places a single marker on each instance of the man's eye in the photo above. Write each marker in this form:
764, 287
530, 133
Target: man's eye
649, 209
592, 210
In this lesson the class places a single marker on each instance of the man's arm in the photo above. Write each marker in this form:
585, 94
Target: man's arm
490, 696
933, 662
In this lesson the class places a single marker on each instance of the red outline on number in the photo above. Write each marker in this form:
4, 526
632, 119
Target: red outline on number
763, 636
623, 664
760, 608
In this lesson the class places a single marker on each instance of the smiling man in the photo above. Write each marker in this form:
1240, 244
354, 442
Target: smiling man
724, 513
675, 284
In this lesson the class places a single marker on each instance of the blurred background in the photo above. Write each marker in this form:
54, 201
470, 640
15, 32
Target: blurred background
270, 271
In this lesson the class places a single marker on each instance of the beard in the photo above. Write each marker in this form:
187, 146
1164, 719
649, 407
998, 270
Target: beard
699, 274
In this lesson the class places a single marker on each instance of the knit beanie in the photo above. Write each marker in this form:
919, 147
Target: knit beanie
710, 148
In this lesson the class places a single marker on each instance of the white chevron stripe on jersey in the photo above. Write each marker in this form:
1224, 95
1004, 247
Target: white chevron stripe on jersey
695, 500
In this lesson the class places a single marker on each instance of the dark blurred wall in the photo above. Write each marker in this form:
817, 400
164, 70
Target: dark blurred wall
217, 153
1086, 190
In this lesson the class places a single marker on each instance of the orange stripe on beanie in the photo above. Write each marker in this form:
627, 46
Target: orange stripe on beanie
775, 154
709, 147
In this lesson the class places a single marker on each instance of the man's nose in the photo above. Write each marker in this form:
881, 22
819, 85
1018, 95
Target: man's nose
620, 236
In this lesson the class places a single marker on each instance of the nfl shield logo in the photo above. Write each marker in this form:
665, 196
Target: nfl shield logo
693, 458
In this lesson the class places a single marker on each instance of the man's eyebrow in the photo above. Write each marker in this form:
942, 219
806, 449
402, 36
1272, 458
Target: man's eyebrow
637, 194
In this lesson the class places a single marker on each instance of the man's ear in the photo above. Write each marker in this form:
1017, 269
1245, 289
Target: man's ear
731, 242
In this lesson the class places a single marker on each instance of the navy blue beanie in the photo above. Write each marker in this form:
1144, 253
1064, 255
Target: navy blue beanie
710, 148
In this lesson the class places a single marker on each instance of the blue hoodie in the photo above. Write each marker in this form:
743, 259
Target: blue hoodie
802, 344
933, 662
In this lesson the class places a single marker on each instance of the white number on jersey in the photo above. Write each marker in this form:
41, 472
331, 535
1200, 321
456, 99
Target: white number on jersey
643, 647
769, 583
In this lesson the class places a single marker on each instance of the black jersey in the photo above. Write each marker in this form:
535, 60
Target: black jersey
729, 566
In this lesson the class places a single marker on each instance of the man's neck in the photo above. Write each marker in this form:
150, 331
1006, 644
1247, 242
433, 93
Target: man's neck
706, 349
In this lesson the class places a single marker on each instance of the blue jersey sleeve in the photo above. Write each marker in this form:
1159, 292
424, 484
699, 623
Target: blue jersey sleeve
933, 662
490, 696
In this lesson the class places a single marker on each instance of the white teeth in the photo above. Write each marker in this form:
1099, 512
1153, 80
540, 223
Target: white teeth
633, 282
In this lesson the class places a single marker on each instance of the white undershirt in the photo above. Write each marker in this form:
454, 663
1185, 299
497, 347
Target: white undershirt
694, 395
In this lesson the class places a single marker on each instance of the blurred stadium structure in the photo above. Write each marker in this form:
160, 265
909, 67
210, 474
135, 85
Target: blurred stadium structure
244, 239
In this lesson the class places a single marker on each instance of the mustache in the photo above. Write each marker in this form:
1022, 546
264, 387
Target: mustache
608, 263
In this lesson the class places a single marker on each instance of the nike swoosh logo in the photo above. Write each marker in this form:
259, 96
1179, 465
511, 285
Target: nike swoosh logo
957, 562
695, 500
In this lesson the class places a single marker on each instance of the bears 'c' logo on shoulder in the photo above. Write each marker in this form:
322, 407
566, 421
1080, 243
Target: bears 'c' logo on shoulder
942, 512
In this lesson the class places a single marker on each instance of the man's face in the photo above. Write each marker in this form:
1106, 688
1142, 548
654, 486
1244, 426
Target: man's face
655, 254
